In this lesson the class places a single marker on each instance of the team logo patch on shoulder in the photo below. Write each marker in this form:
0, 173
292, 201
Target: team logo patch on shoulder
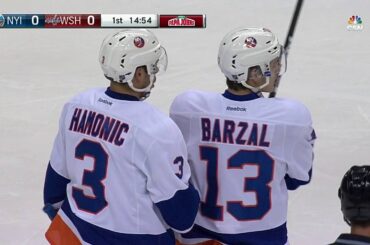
139, 42
250, 42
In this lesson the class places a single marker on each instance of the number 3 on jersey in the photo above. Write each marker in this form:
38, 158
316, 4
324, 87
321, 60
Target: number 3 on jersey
259, 184
92, 178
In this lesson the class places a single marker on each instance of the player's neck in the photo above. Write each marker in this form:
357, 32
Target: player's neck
239, 92
359, 230
124, 89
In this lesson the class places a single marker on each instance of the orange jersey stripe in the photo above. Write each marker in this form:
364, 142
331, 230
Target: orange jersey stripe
60, 234
209, 242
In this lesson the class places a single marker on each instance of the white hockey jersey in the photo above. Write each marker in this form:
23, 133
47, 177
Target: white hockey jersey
245, 152
120, 157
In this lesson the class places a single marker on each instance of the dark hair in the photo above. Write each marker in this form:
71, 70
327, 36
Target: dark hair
111, 79
234, 85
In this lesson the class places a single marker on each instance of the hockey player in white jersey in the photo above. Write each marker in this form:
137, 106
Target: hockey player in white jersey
118, 172
245, 151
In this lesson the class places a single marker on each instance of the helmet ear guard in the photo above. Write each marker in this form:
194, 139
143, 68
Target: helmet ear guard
354, 193
244, 48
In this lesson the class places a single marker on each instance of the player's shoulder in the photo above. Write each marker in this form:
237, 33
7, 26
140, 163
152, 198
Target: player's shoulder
156, 123
195, 96
291, 104
86, 95
193, 100
293, 110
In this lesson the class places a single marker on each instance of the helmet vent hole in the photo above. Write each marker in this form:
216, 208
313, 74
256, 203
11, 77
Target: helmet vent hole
235, 56
240, 74
234, 39
153, 42
122, 38
233, 66
122, 61
268, 42
273, 51
122, 66
224, 43
233, 62
110, 43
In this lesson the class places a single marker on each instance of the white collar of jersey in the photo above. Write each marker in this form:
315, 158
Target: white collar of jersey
246, 97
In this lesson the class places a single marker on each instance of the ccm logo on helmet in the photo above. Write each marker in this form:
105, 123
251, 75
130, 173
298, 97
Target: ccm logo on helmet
139, 42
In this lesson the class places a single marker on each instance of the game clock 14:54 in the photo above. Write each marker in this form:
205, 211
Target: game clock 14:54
142, 20
129, 20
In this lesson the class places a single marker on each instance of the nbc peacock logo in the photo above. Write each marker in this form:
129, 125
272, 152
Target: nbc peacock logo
355, 23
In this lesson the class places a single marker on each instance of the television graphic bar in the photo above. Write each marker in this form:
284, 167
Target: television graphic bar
101, 21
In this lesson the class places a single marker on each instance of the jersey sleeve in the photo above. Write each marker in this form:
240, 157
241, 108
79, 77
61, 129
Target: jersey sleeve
168, 174
299, 145
56, 178
58, 153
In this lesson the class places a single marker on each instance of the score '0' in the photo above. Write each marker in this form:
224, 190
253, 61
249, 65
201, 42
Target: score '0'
35, 20
90, 20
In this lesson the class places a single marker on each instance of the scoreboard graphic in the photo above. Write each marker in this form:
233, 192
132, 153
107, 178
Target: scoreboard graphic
102, 21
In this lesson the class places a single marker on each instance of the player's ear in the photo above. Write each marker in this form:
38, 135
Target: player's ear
254, 76
140, 72
140, 77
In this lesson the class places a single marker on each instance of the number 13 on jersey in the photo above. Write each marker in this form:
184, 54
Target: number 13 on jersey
259, 185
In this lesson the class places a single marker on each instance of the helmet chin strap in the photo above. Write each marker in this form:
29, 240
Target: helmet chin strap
256, 89
145, 90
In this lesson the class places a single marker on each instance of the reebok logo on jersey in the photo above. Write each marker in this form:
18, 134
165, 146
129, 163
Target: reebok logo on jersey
235, 108
105, 101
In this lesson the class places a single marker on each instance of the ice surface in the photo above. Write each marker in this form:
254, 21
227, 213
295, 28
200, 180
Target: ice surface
328, 70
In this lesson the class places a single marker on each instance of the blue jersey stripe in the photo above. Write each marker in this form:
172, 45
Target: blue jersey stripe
54, 187
235, 97
179, 212
293, 183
